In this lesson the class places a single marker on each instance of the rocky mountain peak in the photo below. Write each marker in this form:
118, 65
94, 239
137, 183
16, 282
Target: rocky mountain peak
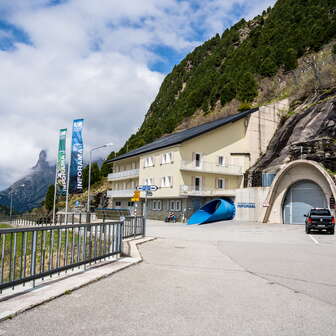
42, 162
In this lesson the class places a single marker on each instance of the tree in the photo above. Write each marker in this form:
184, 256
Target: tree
290, 60
247, 88
95, 175
49, 199
106, 169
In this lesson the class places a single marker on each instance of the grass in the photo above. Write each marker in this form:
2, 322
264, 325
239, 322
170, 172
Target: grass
54, 250
5, 226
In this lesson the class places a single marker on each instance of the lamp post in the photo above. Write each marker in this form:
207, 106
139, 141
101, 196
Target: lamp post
89, 180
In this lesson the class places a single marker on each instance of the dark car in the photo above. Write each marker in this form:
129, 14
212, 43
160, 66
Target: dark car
320, 219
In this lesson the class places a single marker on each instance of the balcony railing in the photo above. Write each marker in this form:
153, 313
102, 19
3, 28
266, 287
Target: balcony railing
123, 175
120, 193
211, 167
201, 191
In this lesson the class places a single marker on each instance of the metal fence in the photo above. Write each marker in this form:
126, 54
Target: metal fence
134, 226
60, 219
31, 253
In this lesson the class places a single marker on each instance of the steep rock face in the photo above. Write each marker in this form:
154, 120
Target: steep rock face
310, 133
30, 191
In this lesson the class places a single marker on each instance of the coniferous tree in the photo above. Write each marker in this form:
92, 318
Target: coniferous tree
49, 199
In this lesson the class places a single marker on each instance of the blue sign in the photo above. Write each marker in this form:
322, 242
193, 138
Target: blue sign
147, 188
246, 205
77, 161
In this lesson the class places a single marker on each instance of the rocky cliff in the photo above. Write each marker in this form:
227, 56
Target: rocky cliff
30, 191
307, 132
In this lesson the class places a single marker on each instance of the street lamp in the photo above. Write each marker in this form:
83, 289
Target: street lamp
90, 163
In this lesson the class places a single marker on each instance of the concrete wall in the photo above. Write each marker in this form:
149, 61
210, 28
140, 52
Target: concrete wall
292, 173
250, 203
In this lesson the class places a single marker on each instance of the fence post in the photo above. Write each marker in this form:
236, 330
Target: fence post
33, 260
73, 219
144, 227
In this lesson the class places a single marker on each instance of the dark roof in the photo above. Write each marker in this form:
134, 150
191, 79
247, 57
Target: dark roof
179, 137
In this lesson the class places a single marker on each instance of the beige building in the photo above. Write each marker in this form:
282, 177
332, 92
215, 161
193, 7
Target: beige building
194, 166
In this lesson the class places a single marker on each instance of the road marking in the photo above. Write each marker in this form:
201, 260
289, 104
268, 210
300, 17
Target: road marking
314, 239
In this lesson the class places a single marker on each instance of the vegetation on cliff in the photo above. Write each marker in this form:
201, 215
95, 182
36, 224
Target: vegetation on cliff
231, 67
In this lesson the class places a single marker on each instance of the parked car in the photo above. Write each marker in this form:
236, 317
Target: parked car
320, 219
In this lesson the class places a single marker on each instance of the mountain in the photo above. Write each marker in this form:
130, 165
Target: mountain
29, 191
308, 133
250, 64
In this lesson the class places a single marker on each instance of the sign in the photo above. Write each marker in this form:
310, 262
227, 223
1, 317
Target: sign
147, 187
77, 161
61, 178
136, 196
247, 205
332, 203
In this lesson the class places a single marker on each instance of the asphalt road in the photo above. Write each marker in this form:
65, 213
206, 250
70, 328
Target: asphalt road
217, 279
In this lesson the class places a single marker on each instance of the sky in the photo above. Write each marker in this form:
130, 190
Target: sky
101, 60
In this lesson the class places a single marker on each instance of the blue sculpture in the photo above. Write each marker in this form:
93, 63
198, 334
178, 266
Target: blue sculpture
214, 211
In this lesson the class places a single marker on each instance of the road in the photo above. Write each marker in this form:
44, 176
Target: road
218, 279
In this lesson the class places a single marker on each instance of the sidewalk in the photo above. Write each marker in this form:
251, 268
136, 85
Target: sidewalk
13, 302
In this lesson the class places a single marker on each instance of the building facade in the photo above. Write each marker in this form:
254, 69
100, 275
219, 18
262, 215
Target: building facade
196, 165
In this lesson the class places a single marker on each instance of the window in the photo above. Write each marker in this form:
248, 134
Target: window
175, 205
149, 181
167, 181
221, 161
130, 204
149, 162
197, 160
167, 158
220, 183
198, 183
156, 205
118, 203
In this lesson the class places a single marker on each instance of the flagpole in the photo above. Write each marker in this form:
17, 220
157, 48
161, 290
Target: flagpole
68, 186
55, 195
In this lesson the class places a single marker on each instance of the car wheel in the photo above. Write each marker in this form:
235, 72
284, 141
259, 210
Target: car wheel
332, 231
307, 230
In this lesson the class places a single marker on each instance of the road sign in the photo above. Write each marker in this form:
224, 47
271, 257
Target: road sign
136, 196
147, 188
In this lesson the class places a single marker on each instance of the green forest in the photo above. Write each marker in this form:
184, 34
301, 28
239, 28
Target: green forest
229, 67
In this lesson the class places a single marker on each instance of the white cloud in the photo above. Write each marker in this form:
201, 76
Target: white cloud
91, 59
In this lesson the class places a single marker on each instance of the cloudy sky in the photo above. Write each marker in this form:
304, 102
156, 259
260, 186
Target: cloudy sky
103, 60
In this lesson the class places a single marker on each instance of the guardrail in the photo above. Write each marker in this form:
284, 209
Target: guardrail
60, 219
28, 254
123, 175
134, 226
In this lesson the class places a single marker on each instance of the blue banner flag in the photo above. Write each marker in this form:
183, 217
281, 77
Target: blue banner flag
77, 161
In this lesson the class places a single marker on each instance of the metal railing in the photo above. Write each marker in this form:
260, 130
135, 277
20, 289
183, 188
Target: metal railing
123, 174
134, 226
120, 193
60, 219
28, 254
211, 167
202, 191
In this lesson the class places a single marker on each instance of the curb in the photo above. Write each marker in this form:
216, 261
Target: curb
48, 291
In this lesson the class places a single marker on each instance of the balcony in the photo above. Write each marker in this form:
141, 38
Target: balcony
212, 168
186, 190
124, 175
120, 193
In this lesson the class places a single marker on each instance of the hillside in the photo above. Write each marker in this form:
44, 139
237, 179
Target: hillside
249, 64
29, 191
